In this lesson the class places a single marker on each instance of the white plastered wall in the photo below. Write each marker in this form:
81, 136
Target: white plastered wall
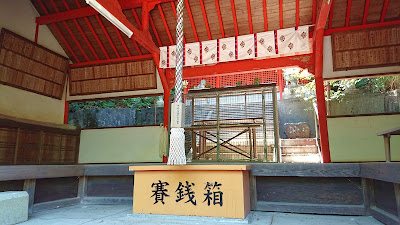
328, 72
19, 17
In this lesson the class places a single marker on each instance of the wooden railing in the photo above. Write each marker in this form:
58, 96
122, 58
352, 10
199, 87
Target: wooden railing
26, 142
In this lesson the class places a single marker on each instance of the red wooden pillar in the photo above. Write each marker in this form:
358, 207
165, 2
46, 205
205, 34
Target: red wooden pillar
66, 104
280, 83
166, 115
218, 83
36, 33
320, 92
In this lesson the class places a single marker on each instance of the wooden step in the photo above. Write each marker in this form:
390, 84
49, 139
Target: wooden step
299, 149
298, 142
301, 158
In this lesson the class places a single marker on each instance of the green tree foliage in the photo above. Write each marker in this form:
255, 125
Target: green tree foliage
338, 88
134, 103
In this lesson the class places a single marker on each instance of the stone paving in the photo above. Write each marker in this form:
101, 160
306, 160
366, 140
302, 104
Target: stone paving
121, 214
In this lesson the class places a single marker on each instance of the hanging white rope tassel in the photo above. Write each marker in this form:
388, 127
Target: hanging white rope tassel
177, 138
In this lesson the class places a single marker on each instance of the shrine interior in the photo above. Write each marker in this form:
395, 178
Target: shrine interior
304, 94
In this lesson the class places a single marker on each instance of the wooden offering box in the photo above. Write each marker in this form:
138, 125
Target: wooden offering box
192, 190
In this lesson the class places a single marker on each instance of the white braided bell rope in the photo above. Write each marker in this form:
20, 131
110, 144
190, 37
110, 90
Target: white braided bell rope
177, 137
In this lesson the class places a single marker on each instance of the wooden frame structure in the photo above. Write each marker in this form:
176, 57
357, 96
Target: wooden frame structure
102, 43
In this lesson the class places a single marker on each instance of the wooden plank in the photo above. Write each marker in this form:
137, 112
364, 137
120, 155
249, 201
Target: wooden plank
310, 190
29, 186
386, 141
310, 208
253, 191
109, 169
396, 187
384, 217
16, 146
23, 172
388, 172
307, 170
385, 196
368, 194
52, 189
110, 186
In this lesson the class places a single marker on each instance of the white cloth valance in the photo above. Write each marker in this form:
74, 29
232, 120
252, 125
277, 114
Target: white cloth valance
227, 50
266, 44
163, 57
172, 56
245, 47
192, 54
209, 52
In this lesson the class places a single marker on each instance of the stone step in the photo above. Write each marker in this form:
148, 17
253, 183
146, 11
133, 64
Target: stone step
298, 142
301, 158
299, 149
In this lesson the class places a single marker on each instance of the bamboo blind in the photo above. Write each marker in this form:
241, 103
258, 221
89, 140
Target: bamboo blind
32, 143
29, 66
375, 47
127, 76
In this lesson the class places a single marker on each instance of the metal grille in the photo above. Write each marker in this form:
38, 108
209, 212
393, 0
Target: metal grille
235, 123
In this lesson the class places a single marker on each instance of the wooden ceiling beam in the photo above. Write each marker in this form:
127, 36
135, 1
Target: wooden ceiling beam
234, 17
165, 24
107, 35
71, 34
122, 41
191, 20
153, 27
265, 15
281, 14
297, 13
221, 25
203, 10
330, 16
140, 27
305, 61
314, 11
93, 32
59, 33
348, 10
82, 33
366, 8
89, 11
249, 16
383, 15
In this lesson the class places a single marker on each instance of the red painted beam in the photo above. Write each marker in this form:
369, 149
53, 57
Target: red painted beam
36, 33
348, 10
366, 11
249, 17
383, 15
165, 24
82, 33
281, 14
203, 10
318, 43
297, 13
66, 104
155, 30
265, 15
220, 18
89, 11
191, 20
122, 41
93, 32
366, 26
330, 16
71, 34
135, 15
234, 17
107, 35
280, 82
59, 33
314, 11
124, 59
145, 16
303, 61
